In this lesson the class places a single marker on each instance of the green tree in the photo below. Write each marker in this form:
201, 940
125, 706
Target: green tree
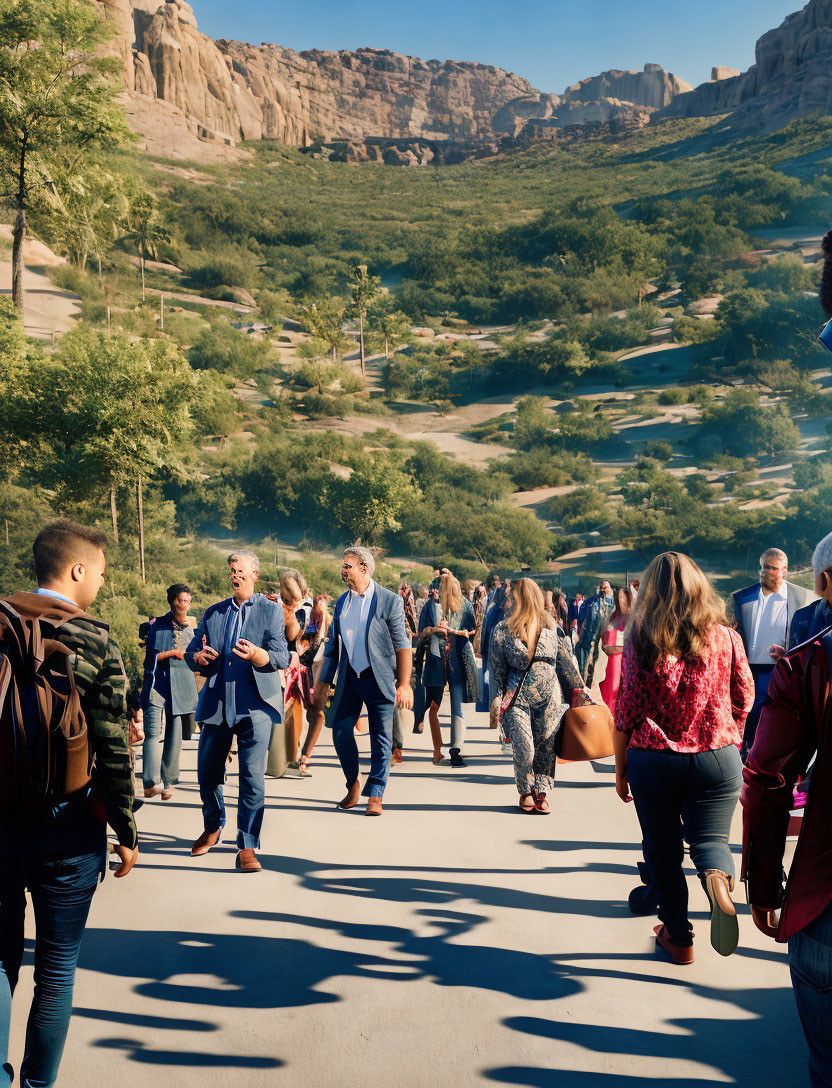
315, 354
370, 502
89, 218
112, 413
393, 329
59, 101
145, 230
362, 292
324, 319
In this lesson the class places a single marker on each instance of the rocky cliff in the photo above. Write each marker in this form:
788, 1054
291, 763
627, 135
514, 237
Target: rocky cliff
792, 76
184, 88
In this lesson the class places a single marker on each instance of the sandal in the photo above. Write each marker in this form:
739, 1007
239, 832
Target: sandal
540, 802
303, 767
526, 802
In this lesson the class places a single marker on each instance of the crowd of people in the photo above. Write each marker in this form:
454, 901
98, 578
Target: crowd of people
702, 711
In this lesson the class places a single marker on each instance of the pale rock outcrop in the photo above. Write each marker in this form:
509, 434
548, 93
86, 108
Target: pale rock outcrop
792, 77
184, 89
653, 87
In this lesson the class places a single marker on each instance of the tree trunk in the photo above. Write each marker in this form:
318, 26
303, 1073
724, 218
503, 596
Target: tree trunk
141, 262
19, 231
18, 236
361, 348
114, 514
387, 348
140, 505
100, 276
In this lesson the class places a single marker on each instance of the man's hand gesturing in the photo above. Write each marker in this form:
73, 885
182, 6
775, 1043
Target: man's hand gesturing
404, 696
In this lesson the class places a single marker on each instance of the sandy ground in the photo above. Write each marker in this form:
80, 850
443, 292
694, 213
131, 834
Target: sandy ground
453, 941
49, 309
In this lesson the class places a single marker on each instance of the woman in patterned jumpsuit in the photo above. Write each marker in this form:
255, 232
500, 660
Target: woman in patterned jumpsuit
532, 709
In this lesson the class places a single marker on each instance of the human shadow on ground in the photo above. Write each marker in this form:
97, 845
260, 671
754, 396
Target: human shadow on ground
199, 1059
437, 957
740, 1047
413, 888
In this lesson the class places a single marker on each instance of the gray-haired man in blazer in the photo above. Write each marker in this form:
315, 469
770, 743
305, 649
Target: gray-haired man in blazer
764, 615
240, 646
369, 648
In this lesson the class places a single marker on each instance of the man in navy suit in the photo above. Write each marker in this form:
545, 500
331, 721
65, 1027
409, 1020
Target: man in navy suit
369, 648
239, 646
764, 616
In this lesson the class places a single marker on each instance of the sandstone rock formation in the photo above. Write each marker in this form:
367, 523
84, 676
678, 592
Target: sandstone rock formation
186, 91
653, 87
792, 77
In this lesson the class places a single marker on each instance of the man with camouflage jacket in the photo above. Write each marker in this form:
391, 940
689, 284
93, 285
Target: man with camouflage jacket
59, 853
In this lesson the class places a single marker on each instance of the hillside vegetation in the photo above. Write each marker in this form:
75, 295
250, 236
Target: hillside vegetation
626, 325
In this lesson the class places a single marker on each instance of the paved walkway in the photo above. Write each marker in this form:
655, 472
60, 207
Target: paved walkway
453, 942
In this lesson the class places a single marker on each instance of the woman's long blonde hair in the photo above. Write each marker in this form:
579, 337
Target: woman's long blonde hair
450, 594
676, 611
528, 613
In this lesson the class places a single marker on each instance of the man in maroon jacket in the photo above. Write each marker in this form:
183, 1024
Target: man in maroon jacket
795, 726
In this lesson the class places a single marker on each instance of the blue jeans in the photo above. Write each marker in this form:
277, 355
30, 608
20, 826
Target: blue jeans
358, 692
810, 959
684, 796
253, 736
456, 690
160, 762
59, 855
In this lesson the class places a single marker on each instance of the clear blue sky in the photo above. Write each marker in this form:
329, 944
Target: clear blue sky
553, 43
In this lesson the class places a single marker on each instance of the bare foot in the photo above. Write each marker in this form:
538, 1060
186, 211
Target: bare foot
167, 793
353, 793
397, 756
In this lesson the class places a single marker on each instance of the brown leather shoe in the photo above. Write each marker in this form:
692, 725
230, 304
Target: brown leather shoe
204, 843
373, 806
247, 862
353, 793
679, 953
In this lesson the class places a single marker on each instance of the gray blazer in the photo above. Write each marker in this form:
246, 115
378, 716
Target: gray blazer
265, 627
744, 600
386, 633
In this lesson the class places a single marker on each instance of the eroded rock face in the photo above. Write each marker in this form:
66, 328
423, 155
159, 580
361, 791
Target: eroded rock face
653, 87
185, 88
791, 78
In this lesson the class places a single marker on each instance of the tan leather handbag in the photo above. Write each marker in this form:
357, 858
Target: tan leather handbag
586, 733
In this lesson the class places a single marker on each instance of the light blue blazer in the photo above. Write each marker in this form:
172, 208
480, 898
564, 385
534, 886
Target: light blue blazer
385, 634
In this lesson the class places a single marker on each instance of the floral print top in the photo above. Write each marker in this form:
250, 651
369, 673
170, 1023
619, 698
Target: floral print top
687, 706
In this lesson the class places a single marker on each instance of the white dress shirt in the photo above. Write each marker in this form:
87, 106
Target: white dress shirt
354, 617
768, 628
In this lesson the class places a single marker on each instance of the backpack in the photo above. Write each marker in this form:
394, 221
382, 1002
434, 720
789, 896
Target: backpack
45, 748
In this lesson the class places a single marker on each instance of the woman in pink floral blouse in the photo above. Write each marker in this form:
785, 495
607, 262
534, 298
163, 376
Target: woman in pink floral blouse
686, 691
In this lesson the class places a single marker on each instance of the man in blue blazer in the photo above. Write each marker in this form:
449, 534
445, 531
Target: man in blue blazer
764, 615
369, 648
240, 646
